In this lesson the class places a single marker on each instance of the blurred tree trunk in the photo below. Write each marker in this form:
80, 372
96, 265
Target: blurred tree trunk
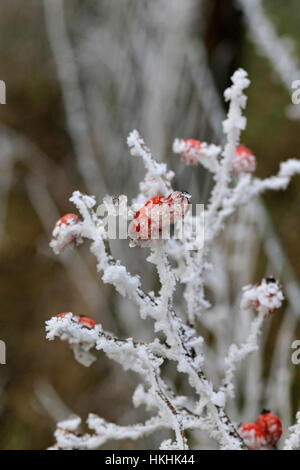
223, 39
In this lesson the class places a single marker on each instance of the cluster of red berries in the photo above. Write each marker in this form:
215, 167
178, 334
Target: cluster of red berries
82, 320
266, 431
192, 151
159, 212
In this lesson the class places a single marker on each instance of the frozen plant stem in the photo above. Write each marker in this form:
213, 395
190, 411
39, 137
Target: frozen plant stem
233, 126
238, 354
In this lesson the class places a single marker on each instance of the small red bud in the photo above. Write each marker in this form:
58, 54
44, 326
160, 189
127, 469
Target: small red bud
244, 161
88, 322
62, 315
68, 219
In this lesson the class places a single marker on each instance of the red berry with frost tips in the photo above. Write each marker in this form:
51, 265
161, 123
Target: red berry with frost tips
193, 143
244, 160
88, 322
265, 297
68, 219
62, 315
67, 232
191, 151
194, 152
253, 435
271, 425
159, 212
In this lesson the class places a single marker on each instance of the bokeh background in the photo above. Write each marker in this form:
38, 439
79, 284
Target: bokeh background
80, 75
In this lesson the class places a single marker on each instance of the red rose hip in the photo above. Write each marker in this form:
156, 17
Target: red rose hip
253, 435
271, 425
88, 322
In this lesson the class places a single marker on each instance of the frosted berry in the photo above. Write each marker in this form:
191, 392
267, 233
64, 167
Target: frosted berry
189, 149
68, 219
88, 322
159, 212
62, 315
253, 435
265, 297
67, 232
194, 152
193, 144
244, 161
271, 425
73, 317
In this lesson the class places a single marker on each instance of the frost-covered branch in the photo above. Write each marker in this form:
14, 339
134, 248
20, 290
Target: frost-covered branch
293, 441
181, 263
278, 50
156, 172
236, 354
68, 434
233, 126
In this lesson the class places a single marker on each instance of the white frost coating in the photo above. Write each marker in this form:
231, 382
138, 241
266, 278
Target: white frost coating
66, 234
124, 283
177, 261
292, 442
151, 185
168, 444
81, 339
70, 424
156, 170
237, 354
68, 435
233, 125
280, 181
